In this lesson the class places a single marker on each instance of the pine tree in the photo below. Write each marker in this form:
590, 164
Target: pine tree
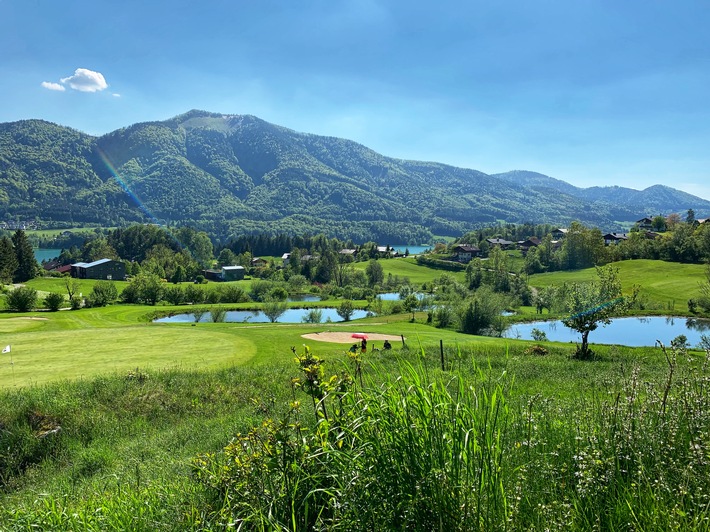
8, 260
26, 263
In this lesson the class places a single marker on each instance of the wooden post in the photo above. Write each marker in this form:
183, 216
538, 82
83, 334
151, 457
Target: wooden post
441, 348
403, 344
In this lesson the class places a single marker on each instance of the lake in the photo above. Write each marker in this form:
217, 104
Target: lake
293, 315
413, 250
46, 254
633, 332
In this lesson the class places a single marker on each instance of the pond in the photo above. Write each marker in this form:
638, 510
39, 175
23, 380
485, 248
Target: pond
395, 296
293, 315
307, 298
633, 332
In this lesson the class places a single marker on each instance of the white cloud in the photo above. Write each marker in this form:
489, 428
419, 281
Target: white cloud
53, 86
116, 95
86, 80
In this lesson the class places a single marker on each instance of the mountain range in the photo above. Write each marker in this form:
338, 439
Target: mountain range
236, 174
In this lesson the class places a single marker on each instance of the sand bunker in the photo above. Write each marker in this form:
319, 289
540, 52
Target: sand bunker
347, 337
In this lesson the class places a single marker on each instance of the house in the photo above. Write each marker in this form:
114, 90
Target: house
525, 245
644, 223
258, 262
285, 259
232, 273
64, 269
614, 238
500, 242
350, 252
107, 269
651, 235
51, 265
212, 275
559, 233
384, 251
464, 252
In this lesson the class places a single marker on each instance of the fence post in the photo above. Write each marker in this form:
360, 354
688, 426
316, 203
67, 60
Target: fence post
441, 348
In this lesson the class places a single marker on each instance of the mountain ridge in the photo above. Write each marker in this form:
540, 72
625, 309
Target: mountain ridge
232, 174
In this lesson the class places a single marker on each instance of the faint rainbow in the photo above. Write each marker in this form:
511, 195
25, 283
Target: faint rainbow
114, 173
125, 187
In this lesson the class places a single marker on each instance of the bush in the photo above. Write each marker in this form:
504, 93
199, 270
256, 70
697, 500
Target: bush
54, 301
103, 293
22, 299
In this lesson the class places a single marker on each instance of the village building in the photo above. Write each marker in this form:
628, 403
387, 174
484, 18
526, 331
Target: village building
106, 269
232, 273
614, 238
464, 252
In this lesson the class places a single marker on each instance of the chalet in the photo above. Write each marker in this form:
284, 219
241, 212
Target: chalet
500, 242
464, 253
107, 269
651, 235
258, 262
350, 252
559, 233
64, 269
644, 223
286, 258
384, 251
614, 238
525, 245
232, 273
51, 265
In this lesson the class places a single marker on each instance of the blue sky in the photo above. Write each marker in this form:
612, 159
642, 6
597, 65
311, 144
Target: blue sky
613, 92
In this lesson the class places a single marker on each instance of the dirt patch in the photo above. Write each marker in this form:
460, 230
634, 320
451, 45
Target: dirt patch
347, 337
28, 318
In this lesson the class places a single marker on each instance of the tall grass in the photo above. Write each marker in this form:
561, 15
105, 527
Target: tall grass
425, 450
625, 446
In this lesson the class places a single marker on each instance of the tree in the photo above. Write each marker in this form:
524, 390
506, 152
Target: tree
8, 260
26, 263
72, 285
411, 304
144, 288
345, 310
273, 309
375, 273
592, 304
690, 217
22, 299
658, 223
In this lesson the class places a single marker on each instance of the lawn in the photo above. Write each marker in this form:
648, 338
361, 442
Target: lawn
663, 282
408, 267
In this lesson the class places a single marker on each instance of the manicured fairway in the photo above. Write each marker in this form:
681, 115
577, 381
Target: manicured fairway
660, 281
408, 267
38, 356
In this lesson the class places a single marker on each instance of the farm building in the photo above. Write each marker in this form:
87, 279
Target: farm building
232, 273
107, 269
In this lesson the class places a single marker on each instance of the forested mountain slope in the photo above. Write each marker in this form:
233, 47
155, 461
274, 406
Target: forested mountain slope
231, 174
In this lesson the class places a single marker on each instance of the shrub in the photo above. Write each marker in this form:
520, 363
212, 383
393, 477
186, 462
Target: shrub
22, 299
54, 301
218, 314
103, 293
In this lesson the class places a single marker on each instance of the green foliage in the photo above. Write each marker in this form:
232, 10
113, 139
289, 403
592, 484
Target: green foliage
313, 316
345, 309
273, 309
8, 260
592, 304
375, 273
144, 288
104, 293
54, 301
22, 299
27, 267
